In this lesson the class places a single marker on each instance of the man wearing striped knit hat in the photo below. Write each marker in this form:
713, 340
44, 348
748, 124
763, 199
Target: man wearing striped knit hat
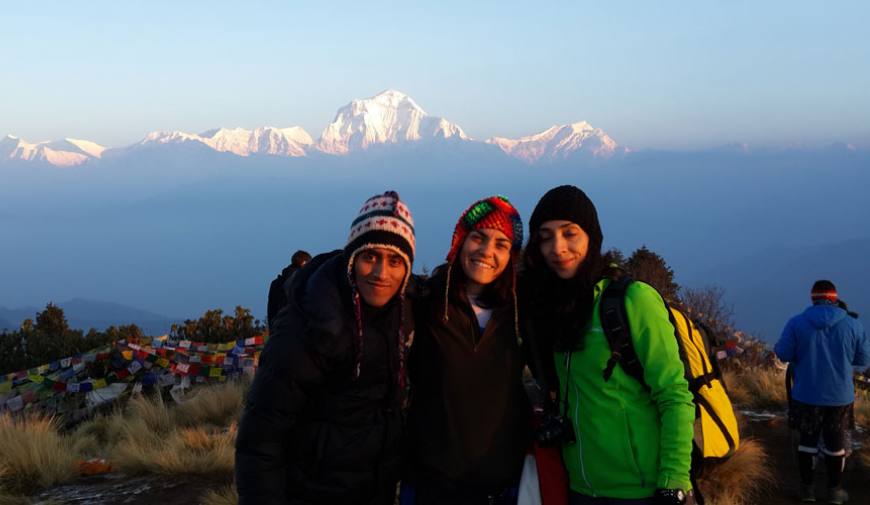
823, 344
322, 421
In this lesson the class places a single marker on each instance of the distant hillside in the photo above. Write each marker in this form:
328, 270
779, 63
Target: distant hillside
766, 289
10, 319
85, 314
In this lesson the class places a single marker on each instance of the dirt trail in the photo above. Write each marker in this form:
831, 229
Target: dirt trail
142, 490
774, 434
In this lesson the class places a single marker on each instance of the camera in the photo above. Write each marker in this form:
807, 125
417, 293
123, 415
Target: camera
555, 429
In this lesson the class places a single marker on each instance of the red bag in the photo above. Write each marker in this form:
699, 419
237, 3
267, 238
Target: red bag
552, 476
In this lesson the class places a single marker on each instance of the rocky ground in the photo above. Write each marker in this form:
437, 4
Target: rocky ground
117, 488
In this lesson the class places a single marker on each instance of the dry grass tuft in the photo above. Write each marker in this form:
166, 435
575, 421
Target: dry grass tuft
202, 450
224, 496
757, 388
34, 455
95, 437
151, 411
864, 456
150, 435
216, 405
104, 429
862, 408
6, 499
739, 479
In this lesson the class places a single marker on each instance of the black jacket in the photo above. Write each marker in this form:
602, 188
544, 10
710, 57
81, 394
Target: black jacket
310, 433
277, 296
468, 423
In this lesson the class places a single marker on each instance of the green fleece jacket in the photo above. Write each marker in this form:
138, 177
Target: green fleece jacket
630, 440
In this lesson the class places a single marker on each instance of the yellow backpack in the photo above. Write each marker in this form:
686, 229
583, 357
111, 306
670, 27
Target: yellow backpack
716, 433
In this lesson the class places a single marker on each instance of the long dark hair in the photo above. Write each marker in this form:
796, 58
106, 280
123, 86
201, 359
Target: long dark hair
561, 307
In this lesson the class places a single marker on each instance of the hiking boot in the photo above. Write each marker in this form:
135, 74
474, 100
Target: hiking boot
808, 493
837, 495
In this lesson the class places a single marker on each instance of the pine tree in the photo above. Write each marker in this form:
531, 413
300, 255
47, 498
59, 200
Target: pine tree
649, 267
50, 338
613, 257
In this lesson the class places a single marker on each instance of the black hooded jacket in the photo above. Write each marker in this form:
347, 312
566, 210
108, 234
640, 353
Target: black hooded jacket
468, 423
277, 294
310, 433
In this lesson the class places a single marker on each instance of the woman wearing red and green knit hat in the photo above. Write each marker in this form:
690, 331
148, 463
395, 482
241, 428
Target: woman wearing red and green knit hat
468, 420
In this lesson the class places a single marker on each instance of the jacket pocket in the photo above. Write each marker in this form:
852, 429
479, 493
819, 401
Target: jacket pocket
631, 453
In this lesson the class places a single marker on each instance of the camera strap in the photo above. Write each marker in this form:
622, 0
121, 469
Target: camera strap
568, 354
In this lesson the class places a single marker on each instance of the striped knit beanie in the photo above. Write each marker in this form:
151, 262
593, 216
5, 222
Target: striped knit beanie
384, 221
495, 213
824, 291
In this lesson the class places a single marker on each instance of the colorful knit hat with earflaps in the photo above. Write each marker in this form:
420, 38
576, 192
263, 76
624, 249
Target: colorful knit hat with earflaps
494, 213
385, 222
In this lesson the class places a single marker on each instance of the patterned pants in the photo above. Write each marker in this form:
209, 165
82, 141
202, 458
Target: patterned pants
831, 423
815, 420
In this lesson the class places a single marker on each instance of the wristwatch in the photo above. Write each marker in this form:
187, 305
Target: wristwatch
671, 496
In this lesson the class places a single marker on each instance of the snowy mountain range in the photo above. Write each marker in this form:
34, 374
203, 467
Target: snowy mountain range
389, 118
62, 153
559, 142
292, 142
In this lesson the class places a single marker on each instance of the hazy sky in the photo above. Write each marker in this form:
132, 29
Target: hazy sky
652, 74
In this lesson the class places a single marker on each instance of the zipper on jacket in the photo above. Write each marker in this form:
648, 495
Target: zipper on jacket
475, 328
577, 422
474, 332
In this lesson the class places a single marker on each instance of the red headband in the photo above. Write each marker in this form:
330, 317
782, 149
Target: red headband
824, 295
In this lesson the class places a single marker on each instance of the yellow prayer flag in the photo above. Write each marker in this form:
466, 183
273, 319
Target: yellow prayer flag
128, 355
215, 372
5, 387
163, 362
99, 383
38, 379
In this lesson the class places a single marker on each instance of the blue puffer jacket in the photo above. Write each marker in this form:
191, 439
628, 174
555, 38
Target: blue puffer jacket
824, 343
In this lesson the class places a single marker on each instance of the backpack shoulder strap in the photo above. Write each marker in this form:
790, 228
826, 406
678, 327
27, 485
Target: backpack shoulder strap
614, 322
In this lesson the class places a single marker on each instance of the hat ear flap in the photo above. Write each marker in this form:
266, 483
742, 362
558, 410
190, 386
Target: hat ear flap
518, 233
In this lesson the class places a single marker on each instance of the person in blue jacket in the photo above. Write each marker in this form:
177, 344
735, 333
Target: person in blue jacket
823, 344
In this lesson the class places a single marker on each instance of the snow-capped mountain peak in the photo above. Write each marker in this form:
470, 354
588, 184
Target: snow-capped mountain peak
86, 146
169, 137
291, 141
390, 117
264, 140
559, 142
392, 98
61, 153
